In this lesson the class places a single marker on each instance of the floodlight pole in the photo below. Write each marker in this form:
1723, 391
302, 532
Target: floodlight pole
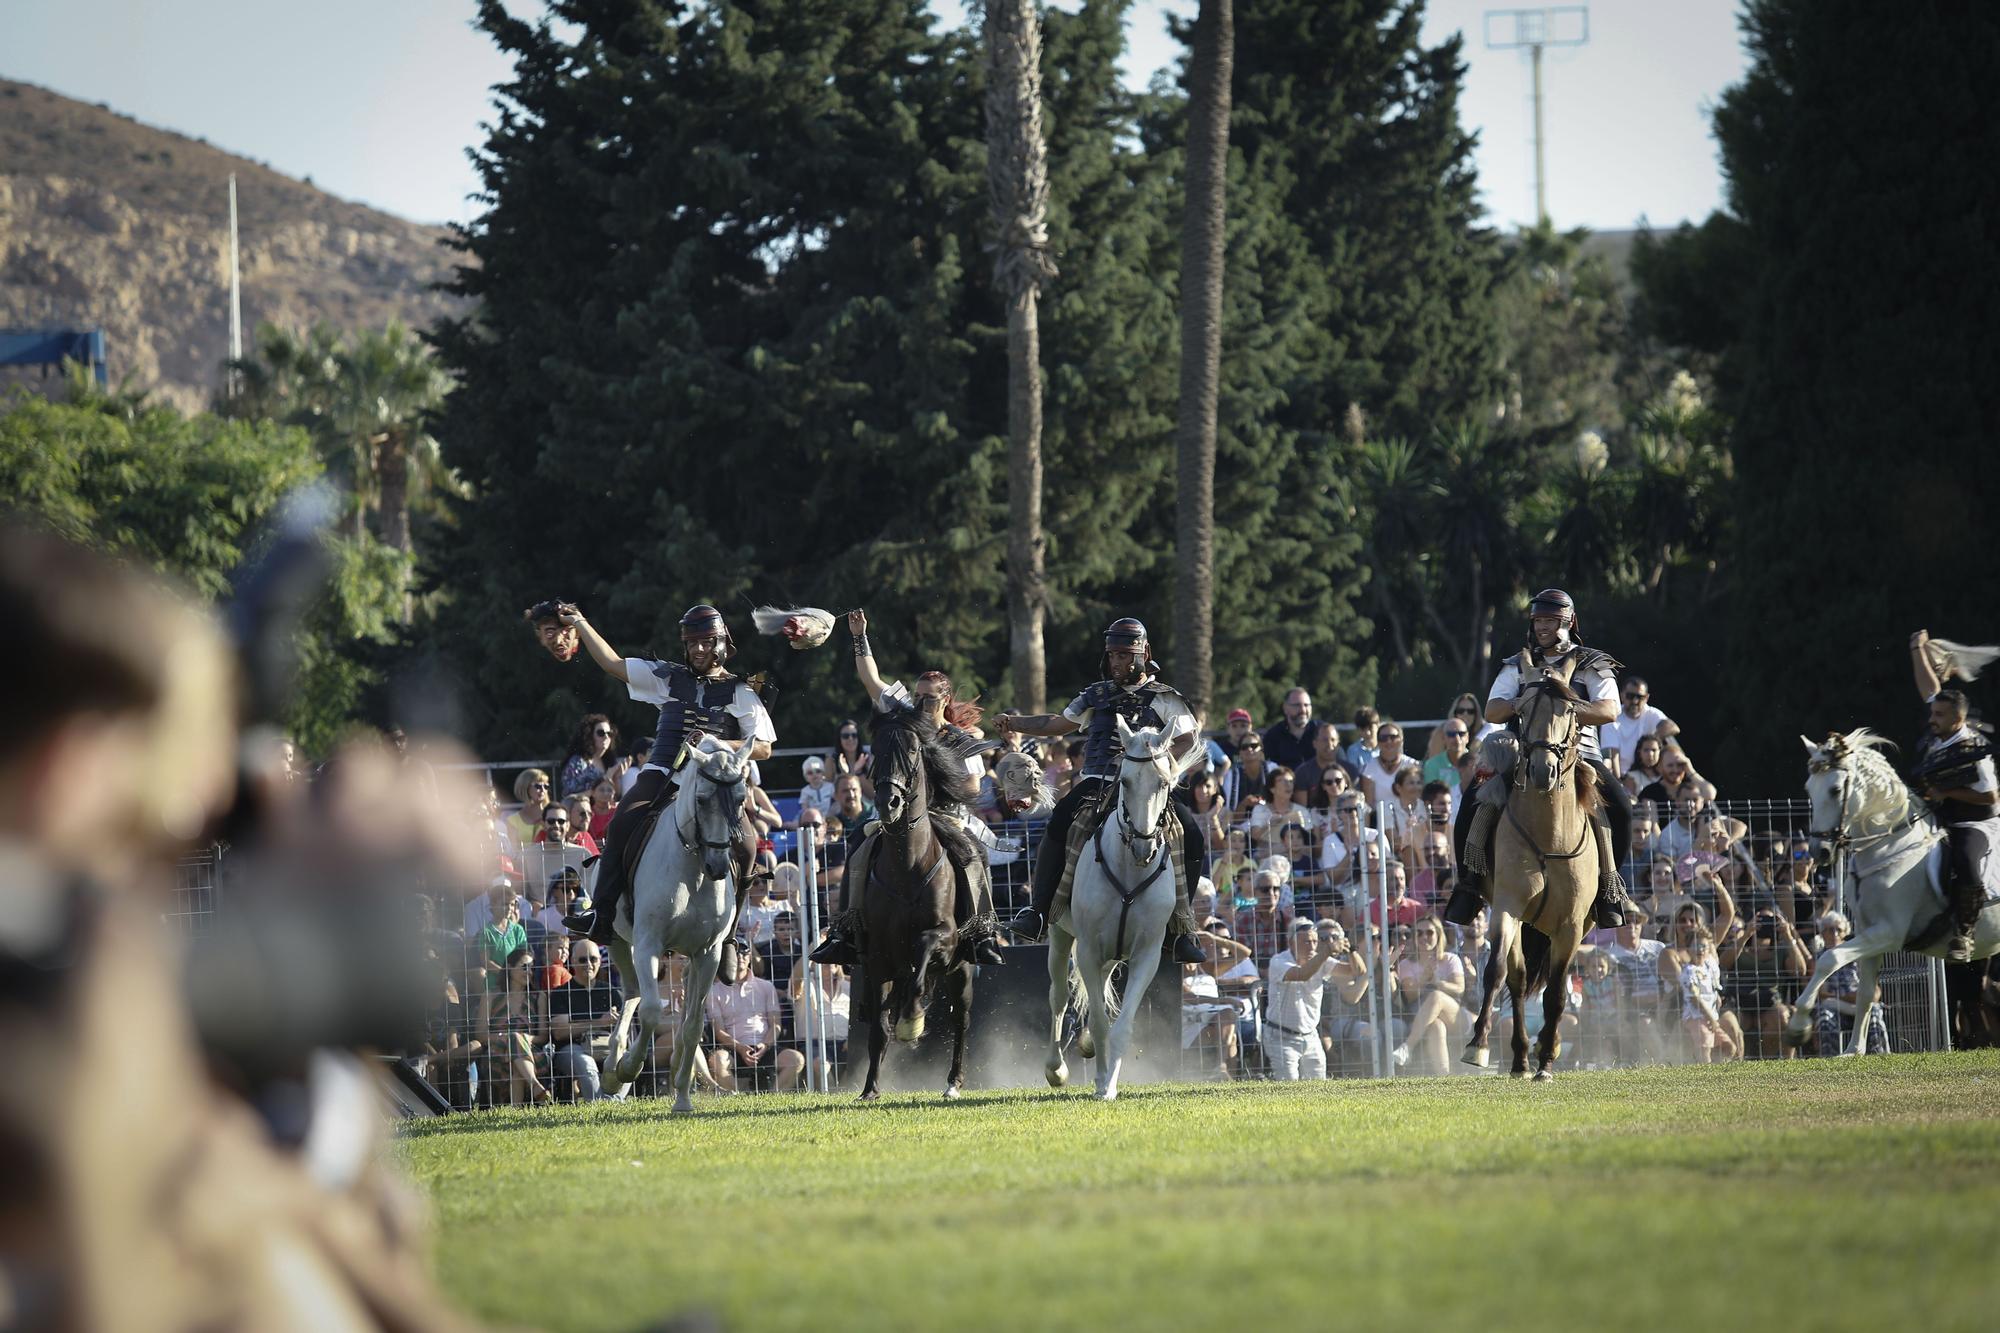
1533, 29
235, 292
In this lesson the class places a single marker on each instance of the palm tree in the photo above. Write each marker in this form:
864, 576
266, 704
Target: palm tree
1210, 69
388, 388
1017, 188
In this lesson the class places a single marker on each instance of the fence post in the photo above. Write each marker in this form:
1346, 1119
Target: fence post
813, 1011
1387, 1039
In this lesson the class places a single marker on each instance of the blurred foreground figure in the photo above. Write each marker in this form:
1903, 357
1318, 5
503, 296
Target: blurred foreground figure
136, 1193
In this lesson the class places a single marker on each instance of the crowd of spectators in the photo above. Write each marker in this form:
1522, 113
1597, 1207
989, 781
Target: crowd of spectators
1329, 858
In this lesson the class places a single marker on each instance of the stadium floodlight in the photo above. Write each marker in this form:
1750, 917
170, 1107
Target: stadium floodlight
1534, 29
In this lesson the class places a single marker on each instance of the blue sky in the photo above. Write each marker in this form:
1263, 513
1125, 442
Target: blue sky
377, 100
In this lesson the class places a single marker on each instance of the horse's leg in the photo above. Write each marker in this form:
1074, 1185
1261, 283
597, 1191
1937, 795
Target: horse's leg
958, 990
910, 1012
1498, 928
879, 1016
644, 953
1555, 1000
1864, 1000
1060, 948
617, 1073
1096, 974
1138, 975
1517, 996
1830, 962
697, 980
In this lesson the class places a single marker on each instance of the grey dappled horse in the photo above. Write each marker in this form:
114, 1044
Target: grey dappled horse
1121, 900
682, 901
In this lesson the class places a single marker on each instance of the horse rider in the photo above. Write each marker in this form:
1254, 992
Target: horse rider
963, 835
1131, 690
696, 698
1955, 766
1552, 629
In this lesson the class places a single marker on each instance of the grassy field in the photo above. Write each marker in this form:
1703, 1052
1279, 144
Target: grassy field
1808, 1195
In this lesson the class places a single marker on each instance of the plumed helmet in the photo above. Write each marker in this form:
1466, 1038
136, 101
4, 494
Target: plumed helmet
1125, 632
704, 621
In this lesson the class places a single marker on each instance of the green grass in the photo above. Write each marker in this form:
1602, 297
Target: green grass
1806, 1195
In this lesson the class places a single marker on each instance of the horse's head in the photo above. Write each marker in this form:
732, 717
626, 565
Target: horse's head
1850, 784
1549, 729
721, 778
902, 795
1149, 771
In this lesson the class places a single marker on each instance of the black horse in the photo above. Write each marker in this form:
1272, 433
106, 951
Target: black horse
910, 952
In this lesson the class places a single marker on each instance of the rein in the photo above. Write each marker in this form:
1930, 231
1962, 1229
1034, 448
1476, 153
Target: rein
1127, 895
702, 843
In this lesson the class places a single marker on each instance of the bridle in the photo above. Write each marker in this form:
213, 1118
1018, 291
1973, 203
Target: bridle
1838, 838
700, 842
1563, 751
1132, 838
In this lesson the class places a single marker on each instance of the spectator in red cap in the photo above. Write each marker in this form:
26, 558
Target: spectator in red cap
1238, 729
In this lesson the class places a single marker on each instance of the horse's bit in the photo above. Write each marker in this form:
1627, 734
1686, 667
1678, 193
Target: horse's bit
704, 844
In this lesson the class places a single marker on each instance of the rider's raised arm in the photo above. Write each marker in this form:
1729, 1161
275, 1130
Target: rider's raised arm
1035, 724
600, 651
1928, 683
864, 655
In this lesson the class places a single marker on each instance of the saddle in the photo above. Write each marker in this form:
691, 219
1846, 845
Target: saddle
635, 846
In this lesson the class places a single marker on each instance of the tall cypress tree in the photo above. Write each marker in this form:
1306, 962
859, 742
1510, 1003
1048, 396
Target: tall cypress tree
1865, 440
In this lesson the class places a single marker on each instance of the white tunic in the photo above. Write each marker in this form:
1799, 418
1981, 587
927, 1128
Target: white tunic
647, 687
1593, 683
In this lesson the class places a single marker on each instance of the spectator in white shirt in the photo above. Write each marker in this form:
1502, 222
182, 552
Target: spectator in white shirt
1292, 999
1380, 774
817, 793
1620, 736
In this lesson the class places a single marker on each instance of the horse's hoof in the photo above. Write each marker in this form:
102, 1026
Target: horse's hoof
951, 1094
869, 1096
1477, 1056
1058, 1076
1107, 1094
1085, 1047
1545, 1075
683, 1108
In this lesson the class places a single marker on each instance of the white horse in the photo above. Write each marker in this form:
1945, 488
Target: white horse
1861, 806
683, 901
1122, 898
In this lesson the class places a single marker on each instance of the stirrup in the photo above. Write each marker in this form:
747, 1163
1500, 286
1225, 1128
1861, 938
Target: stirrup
1185, 950
1464, 904
1028, 924
1610, 906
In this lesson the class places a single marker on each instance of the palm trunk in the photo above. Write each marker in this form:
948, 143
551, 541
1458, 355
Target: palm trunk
392, 489
1017, 188
1209, 75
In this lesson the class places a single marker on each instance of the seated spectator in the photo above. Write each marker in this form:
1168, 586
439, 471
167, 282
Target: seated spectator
1262, 927
1676, 774
1647, 755
828, 988
1380, 775
450, 1039
1361, 752
1234, 860
554, 953
1765, 966
1407, 815
763, 811
1344, 1026
742, 1010
558, 829
1431, 856
1321, 783
1676, 840
1205, 804
641, 754
1597, 984
603, 805
1289, 741
852, 808
1700, 985
1637, 719
1247, 782
1430, 985
1206, 1013
1309, 882
531, 789
1451, 740
493, 830
565, 886
582, 1014
1403, 910
817, 791
1347, 835
1441, 803
1293, 994
850, 756
1635, 961
1276, 810
582, 813
757, 912
514, 1026
778, 957
1468, 709
502, 935
592, 757
1833, 1015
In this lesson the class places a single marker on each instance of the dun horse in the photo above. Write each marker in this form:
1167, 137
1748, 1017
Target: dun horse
681, 902
910, 933
1545, 866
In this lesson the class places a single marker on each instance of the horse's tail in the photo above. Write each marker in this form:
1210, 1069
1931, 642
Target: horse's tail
1111, 972
1535, 948
1079, 998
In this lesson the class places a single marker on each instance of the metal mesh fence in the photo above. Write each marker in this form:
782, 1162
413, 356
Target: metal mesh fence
509, 1027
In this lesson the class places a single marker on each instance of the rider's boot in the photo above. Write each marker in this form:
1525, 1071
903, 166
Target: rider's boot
1611, 906
979, 937
1181, 927
1468, 895
842, 945
1966, 900
1032, 921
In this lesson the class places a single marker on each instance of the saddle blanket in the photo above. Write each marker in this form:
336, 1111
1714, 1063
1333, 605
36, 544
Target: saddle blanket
1989, 863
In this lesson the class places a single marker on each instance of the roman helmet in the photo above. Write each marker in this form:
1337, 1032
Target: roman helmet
1126, 632
1553, 602
703, 621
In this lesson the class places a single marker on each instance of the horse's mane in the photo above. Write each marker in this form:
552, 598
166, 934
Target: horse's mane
1882, 788
944, 771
